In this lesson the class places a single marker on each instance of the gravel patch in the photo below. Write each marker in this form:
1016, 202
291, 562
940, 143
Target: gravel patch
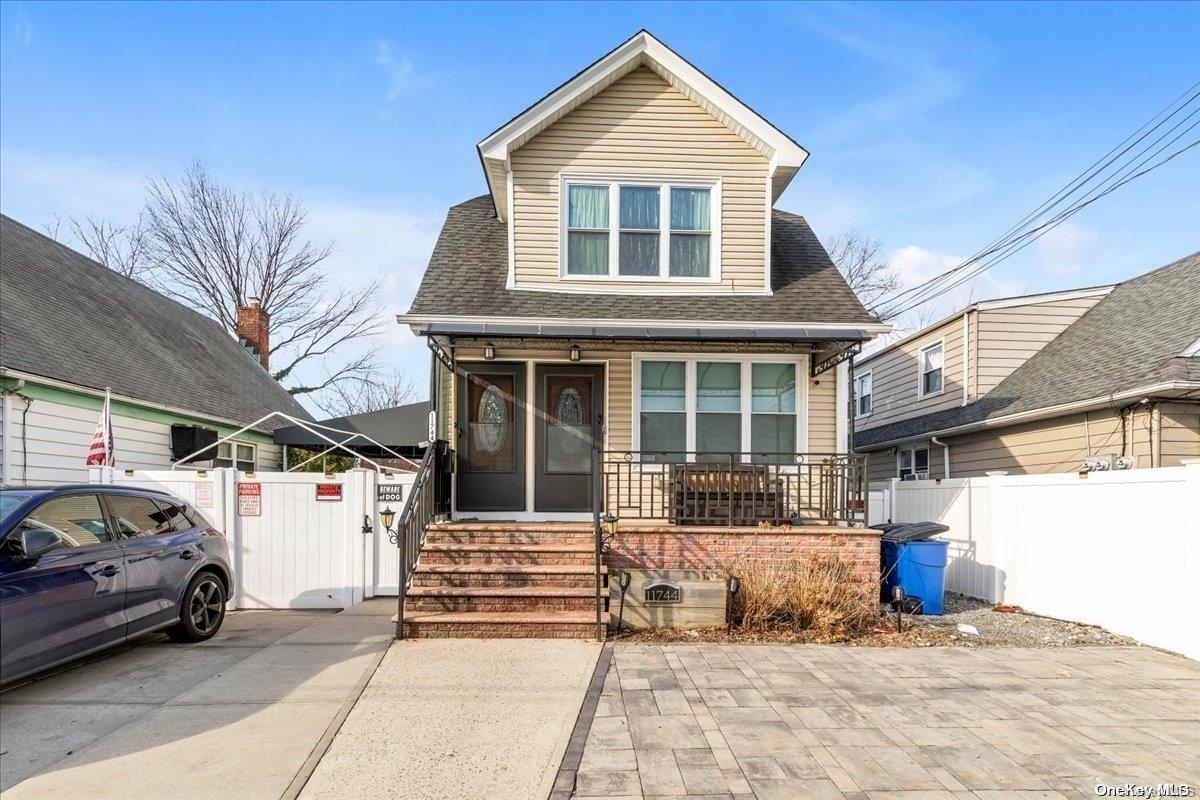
1013, 629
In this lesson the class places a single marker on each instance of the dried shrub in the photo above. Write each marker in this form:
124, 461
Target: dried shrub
814, 592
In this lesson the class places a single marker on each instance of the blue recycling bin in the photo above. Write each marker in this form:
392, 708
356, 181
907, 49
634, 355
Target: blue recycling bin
919, 568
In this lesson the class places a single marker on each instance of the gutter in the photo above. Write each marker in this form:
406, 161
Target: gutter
423, 319
1104, 401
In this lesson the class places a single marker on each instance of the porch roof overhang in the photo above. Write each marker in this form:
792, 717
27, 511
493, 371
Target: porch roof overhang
682, 332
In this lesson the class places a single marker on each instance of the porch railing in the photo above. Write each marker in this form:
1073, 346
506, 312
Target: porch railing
427, 500
748, 488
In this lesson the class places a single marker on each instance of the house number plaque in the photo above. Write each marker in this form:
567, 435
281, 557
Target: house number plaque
661, 594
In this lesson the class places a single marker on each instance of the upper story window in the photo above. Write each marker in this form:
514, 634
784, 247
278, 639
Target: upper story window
641, 230
862, 395
929, 382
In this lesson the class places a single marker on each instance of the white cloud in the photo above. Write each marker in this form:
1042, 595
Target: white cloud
35, 187
399, 68
1063, 249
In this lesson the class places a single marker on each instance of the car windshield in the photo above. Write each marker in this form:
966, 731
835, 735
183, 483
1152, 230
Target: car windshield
10, 500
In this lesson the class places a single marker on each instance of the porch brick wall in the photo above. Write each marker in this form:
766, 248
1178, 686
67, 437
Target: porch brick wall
719, 549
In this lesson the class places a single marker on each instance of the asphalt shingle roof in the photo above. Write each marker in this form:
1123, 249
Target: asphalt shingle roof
66, 317
1131, 338
468, 271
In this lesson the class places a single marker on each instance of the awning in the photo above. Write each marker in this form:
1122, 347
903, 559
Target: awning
681, 333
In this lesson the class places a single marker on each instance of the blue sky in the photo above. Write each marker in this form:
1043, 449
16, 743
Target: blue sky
932, 127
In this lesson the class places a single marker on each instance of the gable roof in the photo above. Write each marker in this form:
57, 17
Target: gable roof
1130, 341
469, 268
66, 317
641, 50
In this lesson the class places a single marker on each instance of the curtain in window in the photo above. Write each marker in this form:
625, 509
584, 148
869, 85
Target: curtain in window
639, 208
663, 418
588, 207
587, 249
773, 412
718, 411
690, 209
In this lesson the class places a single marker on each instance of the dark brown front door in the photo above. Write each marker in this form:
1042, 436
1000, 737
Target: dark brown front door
569, 419
490, 473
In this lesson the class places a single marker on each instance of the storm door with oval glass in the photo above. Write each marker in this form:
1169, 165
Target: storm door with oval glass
569, 419
491, 438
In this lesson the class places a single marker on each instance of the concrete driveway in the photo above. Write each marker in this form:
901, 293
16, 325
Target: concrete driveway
238, 716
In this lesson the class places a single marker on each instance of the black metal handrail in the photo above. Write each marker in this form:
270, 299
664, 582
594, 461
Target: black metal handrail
743, 488
420, 509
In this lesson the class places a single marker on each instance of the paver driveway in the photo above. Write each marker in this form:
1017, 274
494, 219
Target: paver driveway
801, 721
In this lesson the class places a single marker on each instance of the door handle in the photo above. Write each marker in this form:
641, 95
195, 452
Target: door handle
187, 555
107, 571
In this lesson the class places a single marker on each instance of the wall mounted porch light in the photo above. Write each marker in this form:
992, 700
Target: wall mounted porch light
489, 352
387, 518
574, 353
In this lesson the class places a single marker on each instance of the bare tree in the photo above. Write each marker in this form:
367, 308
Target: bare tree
858, 259
365, 394
213, 247
121, 248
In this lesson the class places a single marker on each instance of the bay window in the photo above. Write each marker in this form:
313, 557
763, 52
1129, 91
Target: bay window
723, 411
641, 230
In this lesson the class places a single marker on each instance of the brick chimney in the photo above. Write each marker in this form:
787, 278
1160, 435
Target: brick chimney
253, 331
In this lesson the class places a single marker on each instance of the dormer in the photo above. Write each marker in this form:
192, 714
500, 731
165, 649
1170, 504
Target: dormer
640, 175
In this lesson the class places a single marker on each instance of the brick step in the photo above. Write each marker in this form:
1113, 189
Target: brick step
526, 599
509, 536
502, 625
482, 575
506, 553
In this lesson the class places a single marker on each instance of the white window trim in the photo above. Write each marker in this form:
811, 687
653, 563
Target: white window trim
690, 360
233, 446
854, 393
921, 395
664, 186
913, 460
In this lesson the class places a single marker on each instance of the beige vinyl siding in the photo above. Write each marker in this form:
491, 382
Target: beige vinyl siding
49, 443
894, 376
1008, 337
617, 357
640, 126
1178, 432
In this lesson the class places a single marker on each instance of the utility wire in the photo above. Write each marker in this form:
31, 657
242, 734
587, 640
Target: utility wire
1011, 241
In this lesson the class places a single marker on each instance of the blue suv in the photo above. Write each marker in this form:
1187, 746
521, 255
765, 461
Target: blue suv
83, 568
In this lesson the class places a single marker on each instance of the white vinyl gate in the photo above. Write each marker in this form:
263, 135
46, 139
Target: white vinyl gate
297, 539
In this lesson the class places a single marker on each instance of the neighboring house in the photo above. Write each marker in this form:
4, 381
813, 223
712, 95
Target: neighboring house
70, 328
627, 278
1040, 383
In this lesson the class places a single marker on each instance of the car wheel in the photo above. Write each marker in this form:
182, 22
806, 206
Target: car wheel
202, 610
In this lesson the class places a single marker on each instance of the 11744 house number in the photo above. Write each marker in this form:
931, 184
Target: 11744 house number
661, 594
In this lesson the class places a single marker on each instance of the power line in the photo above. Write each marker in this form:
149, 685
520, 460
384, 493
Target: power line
1011, 241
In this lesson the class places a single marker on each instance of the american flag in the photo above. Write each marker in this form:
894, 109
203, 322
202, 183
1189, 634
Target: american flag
102, 451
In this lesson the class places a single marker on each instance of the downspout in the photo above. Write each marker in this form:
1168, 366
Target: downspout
945, 455
6, 434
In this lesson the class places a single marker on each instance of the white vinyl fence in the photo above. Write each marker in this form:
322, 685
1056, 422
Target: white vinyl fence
1115, 549
297, 539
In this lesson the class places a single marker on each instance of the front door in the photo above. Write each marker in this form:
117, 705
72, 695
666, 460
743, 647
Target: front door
490, 473
569, 419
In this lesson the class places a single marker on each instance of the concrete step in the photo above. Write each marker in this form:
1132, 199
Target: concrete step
502, 625
504, 598
507, 553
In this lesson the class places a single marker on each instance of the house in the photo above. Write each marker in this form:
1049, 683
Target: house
1098, 378
625, 295
70, 328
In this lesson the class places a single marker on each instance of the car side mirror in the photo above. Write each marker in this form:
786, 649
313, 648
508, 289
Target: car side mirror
33, 543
